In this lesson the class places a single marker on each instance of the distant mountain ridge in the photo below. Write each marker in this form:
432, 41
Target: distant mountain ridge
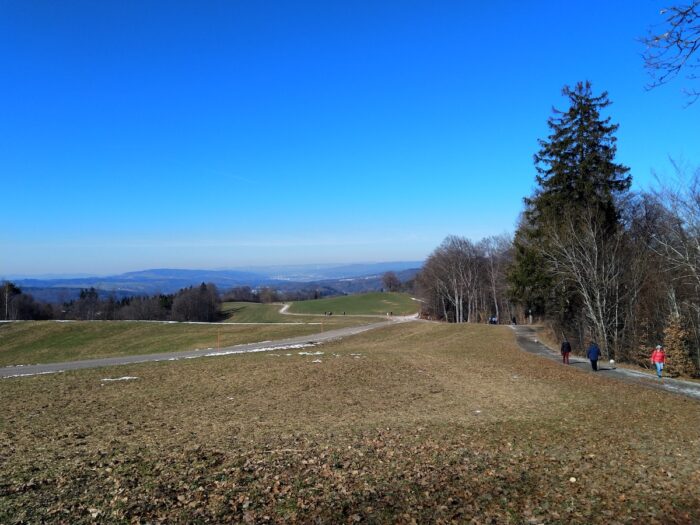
348, 278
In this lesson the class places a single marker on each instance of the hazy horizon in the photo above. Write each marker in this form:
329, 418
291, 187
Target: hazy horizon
251, 269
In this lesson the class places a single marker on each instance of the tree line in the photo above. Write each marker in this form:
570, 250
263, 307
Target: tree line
196, 303
594, 259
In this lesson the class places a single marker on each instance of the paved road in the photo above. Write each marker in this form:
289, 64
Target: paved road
293, 342
527, 340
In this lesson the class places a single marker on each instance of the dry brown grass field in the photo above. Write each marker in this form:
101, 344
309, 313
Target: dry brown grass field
414, 423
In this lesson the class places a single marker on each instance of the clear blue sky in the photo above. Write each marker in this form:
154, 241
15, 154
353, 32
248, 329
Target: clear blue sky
221, 134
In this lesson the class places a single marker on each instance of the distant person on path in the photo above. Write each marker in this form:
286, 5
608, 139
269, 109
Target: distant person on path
594, 355
565, 351
658, 358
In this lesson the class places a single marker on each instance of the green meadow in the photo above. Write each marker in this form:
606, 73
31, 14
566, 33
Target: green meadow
374, 303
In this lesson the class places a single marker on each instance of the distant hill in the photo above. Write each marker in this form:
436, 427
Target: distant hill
326, 272
365, 283
332, 279
146, 282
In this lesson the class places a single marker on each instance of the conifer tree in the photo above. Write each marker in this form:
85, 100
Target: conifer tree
678, 361
576, 165
577, 176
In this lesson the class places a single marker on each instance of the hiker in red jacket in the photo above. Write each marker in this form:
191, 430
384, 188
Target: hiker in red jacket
658, 358
565, 351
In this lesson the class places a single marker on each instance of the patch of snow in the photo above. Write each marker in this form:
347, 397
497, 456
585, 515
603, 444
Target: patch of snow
266, 349
125, 378
317, 361
35, 374
310, 353
687, 391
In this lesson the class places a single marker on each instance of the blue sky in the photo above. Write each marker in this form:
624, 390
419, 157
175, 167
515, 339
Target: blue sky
223, 134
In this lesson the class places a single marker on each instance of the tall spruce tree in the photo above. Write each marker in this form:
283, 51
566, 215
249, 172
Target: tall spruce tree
576, 171
576, 164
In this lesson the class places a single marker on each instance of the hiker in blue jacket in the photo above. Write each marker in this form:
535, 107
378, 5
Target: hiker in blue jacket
594, 355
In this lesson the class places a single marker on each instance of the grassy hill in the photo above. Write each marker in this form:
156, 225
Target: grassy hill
243, 312
375, 303
34, 342
419, 422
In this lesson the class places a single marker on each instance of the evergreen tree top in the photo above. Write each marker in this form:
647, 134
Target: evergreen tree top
576, 164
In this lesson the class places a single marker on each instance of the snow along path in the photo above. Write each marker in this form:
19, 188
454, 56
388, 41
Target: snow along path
266, 346
528, 341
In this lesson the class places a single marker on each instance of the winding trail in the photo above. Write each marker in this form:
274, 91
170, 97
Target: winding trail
395, 318
528, 341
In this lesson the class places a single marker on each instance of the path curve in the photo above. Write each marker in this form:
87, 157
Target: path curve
284, 310
527, 340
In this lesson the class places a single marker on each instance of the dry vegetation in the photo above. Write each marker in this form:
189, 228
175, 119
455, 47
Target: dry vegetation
431, 423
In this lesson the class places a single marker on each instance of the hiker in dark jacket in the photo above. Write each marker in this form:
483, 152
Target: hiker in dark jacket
565, 351
594, 355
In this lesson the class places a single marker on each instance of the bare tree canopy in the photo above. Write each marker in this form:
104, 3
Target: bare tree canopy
674, 48
391, 282
463, 281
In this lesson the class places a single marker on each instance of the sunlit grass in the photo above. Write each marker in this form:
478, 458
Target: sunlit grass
426, 421
374, 303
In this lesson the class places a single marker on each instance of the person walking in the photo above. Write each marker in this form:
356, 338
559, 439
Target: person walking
594, 355
565, 351
658, 358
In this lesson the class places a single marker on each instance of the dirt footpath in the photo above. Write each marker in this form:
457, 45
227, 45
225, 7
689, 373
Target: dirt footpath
528, 340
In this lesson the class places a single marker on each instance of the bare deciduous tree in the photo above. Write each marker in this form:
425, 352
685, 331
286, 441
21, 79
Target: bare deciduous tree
675, 47
459, 283
391, 282
678, 238
677, 241
496, 251
582, 253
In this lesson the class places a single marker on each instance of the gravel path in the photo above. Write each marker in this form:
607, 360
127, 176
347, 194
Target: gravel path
293, 342
528, 341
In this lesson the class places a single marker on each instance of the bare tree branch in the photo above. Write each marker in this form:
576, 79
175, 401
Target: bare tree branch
674, 48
